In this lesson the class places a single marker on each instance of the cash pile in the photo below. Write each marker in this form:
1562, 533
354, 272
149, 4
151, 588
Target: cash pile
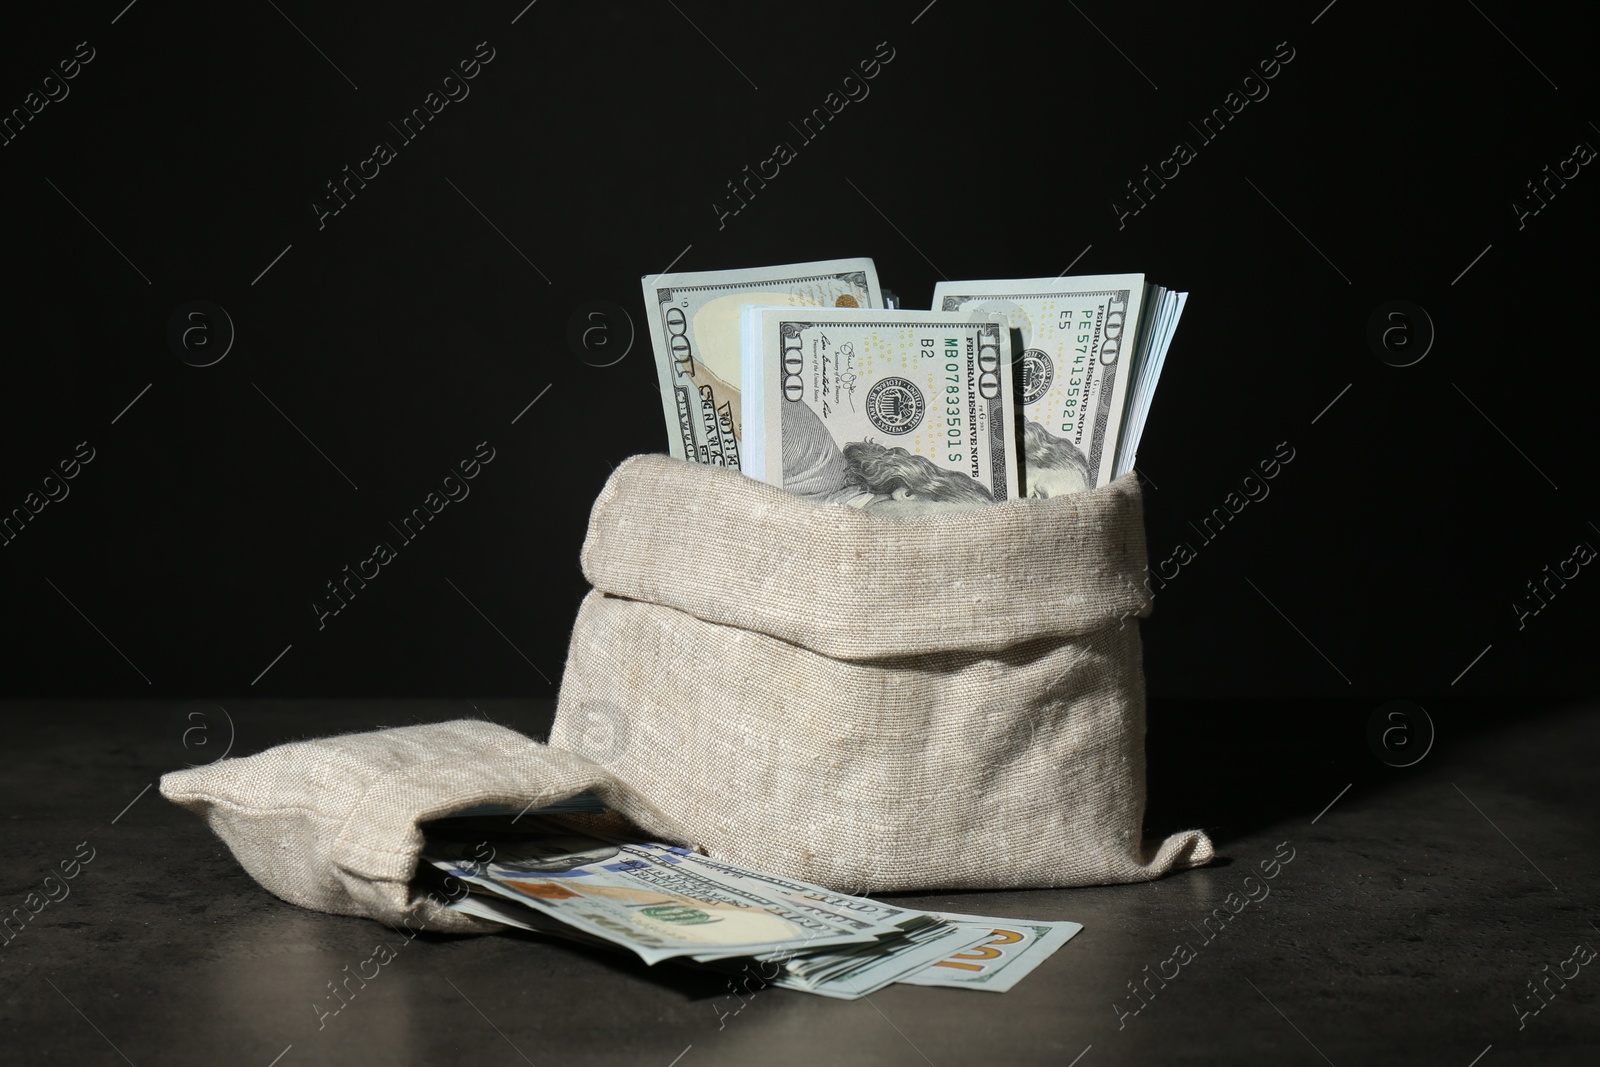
800, 376
547, 872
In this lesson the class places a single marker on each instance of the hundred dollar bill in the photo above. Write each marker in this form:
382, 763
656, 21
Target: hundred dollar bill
1078, 360
500, 910
854, 971
863, 910
851, 972
515, 876
899, 412
847, 972
694, 326
999, 961
626, 896
860, 913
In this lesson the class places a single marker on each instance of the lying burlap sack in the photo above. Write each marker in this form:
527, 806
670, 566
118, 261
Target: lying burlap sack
333, 823
865, 702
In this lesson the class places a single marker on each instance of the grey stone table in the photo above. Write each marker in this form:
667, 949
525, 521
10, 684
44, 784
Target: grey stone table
1421, 909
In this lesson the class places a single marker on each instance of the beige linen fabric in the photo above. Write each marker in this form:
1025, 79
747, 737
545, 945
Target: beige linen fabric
331, 823
872, 704
955, 701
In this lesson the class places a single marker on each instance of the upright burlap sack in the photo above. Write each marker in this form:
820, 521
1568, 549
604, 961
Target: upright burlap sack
871, 703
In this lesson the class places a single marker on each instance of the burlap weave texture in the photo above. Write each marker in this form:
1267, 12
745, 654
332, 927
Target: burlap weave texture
870, 703
332, 823
867, 703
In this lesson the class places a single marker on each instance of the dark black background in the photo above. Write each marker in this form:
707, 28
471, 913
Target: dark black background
427, 315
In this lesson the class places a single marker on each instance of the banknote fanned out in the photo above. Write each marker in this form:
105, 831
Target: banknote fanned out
845, 971
1008, 950
694, 328
657, 909
666, 903
903, 412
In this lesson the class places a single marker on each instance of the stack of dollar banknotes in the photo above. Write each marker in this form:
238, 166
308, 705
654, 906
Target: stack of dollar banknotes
552, 872
809, 377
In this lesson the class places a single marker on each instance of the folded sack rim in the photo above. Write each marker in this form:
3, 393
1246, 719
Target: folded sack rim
1090, 544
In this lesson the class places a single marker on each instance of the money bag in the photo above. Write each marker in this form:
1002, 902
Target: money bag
871, 703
